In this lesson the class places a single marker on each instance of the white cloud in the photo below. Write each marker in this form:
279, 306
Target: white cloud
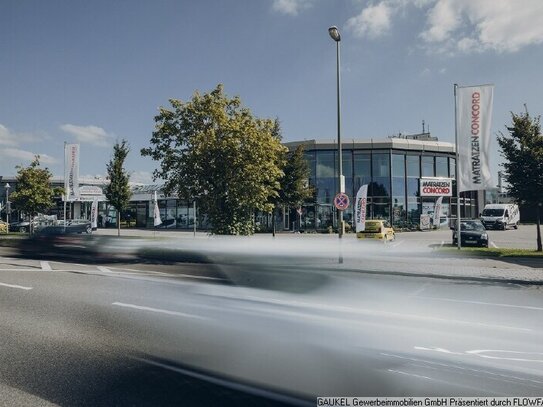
27, 156
9, 138
373, 21
291, 7
460, 26
88, 134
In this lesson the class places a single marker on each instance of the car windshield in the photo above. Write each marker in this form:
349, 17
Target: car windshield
471, 226
493, 212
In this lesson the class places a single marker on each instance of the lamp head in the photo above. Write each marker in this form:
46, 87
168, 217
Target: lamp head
334, 33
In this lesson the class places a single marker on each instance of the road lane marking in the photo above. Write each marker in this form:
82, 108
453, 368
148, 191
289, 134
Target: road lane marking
20, 287
103, 269
441, 365
45, 266
495, 304
421, 289
410, 374
157, 310
357, 311
495, 245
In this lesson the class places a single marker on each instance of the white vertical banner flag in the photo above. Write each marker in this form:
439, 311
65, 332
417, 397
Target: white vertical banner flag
473, 120
94, 214
360, 208
437, 212
71, 172
156, 212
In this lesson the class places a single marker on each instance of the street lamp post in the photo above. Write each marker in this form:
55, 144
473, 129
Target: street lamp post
334, 33
7, 207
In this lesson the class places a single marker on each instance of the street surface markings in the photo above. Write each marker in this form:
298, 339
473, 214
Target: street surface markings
103, 269
410, 374
494, 244
484, 353
494, 304
157, 310
20, 287
419, 290
359, 311
45, 266
442, 365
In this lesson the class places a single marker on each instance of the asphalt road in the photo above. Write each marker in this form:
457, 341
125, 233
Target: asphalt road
200, 334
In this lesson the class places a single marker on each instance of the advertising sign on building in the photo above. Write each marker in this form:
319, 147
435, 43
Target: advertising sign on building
435, 187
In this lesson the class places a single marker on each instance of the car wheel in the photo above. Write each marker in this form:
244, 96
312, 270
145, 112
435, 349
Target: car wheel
88, 230
22, 229
516, 225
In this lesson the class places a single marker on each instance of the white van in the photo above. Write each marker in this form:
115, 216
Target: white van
500, 216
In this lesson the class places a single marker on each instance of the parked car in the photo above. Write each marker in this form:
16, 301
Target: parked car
377, 229
472, 232
59, 228
3, 227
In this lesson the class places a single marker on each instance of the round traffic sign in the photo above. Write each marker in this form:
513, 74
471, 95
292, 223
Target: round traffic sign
341, 201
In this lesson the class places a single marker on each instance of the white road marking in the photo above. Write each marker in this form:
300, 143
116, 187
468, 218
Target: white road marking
18, 269
421, 289
483, 354
16, 286
441, 365
494, 244
157, 310
410, 374
362, 311
442, 243
45, 266
494, 304
103, 269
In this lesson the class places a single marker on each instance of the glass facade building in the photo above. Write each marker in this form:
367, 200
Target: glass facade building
392, 169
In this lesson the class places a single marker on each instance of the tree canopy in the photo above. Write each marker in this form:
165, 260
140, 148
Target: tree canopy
118, 191
34, 192
295, 189
522, 149
213, 149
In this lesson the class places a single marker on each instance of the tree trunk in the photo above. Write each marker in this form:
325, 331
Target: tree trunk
538, 217
273, 222
118, 223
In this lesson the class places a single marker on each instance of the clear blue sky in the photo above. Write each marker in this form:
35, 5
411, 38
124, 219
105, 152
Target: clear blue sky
95, 71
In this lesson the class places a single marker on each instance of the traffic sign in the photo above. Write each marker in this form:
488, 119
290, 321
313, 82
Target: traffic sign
341, 201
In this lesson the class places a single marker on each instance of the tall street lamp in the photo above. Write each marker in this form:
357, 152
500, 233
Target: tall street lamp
7, 206
334, 33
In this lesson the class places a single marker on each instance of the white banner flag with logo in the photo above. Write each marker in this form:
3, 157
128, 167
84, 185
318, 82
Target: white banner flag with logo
94, 214
437, 212
360, 208
71, 172
156, 212
473, 120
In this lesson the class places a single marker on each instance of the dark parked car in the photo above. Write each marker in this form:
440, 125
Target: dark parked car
61, 229
472, 232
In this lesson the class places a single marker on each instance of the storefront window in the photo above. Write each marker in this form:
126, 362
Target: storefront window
427, 166
325, 182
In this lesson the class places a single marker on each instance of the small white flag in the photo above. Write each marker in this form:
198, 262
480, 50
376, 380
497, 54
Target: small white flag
156, 212
360, 208
94, 214
437, 212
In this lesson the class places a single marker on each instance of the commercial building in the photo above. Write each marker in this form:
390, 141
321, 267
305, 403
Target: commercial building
391, 167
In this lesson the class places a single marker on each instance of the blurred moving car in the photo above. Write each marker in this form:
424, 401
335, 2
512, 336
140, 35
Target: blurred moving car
377, 229
472, 232
61, 228
22, 226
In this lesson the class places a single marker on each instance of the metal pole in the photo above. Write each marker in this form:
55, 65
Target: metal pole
458, 231
65, 196
340, 213
7, 208
195, 217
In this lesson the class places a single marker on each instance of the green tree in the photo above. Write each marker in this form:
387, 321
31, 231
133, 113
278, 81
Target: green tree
522, 149
118, 191
34, 192
214, 149
295, 188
